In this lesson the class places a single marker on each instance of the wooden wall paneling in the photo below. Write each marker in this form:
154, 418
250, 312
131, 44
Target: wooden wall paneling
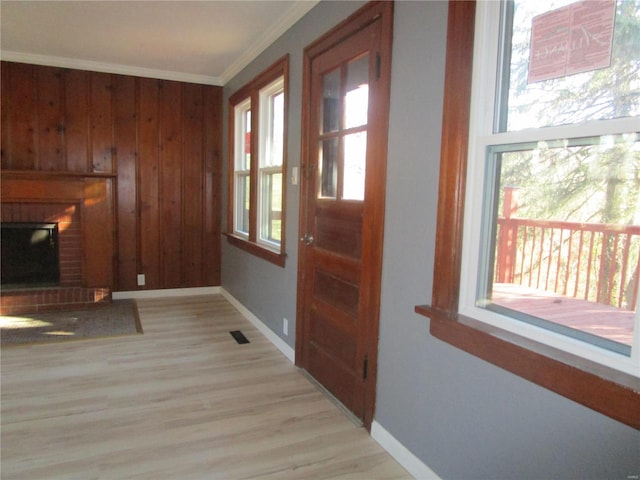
26, 189
5, 98
77, 121
98, 245
193, 146
148, 152
212, 185
22, 118
163, 148
50, 100
125, 138
101, 123
171, 183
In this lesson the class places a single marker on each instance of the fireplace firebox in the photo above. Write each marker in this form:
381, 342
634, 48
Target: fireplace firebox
30, 255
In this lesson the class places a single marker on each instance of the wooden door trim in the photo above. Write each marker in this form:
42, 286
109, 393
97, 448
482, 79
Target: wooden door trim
373, 11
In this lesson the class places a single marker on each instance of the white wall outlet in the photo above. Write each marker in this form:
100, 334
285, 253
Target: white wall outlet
285, 326
294, 175
141, 279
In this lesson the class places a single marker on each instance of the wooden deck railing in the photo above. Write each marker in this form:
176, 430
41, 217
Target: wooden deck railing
590, 261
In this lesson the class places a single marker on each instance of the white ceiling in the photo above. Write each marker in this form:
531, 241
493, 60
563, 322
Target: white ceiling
193, 41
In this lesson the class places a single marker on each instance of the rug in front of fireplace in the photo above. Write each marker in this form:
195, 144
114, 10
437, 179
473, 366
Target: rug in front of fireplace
120, 317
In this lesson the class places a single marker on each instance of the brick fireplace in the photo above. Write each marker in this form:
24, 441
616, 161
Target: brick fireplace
82, 208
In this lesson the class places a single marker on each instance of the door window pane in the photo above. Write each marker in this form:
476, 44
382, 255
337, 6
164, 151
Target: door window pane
331, 101
329, 168
357, 93
355, 162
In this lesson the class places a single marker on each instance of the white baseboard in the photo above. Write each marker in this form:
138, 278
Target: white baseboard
169, 292
400, 453
259, 324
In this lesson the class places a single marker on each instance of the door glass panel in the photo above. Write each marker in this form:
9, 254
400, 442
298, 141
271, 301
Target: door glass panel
331, 101
329, 168
357, 92
355, 156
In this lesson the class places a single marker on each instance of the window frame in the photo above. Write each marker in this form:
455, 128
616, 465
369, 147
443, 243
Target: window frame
252, 92
603, 389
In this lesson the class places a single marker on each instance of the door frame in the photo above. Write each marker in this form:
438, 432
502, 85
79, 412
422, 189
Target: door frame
373, 226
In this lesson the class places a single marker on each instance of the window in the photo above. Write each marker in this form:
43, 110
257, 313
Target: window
555, 164
257, 162
536, 149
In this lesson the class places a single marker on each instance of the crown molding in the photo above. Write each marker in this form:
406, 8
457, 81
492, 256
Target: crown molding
51, 61
291, 16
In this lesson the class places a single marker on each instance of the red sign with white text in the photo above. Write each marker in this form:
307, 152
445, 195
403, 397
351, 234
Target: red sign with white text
572, 39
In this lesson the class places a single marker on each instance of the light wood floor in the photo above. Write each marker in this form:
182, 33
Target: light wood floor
182, 401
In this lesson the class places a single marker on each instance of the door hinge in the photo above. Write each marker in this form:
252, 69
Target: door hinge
377, 66
365, 367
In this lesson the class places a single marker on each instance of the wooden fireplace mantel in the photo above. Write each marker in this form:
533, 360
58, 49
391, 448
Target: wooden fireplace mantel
93, 193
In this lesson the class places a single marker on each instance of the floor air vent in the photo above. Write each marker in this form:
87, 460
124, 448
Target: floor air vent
239, 337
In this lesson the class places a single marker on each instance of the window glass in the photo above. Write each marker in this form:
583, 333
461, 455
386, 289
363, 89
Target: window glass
271, 159
570, 62
275, 138
355, 161
331, 101
564, 245
329, 168
242, 166
272, 125
272, 211
357, 95
243, 147
242, 203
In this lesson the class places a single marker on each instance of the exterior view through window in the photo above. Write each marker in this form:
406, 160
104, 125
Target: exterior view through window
556, 162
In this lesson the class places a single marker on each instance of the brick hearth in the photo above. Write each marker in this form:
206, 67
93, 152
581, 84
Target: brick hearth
52, 298
70, 294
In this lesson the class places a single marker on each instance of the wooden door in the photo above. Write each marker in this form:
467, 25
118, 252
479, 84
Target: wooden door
342, 206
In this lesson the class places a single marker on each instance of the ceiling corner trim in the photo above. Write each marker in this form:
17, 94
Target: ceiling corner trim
290, 17
63, 62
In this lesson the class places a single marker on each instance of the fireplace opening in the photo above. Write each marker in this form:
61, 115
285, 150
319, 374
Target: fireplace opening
29, 254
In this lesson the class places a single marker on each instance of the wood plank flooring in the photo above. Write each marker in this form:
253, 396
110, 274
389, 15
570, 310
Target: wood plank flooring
182, 401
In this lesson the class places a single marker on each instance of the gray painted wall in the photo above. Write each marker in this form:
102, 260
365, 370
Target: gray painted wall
461, 416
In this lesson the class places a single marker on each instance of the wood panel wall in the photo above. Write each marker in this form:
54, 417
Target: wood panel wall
161, 139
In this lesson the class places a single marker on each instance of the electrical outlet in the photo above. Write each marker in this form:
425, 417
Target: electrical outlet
141, 279
285, 326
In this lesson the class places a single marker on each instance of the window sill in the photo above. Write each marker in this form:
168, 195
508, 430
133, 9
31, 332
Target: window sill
607, 391
257, 250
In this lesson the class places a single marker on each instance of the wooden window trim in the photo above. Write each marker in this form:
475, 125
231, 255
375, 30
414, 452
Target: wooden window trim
605, 390
252, 90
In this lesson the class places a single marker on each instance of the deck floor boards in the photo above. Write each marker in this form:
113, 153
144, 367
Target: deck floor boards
595, 318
